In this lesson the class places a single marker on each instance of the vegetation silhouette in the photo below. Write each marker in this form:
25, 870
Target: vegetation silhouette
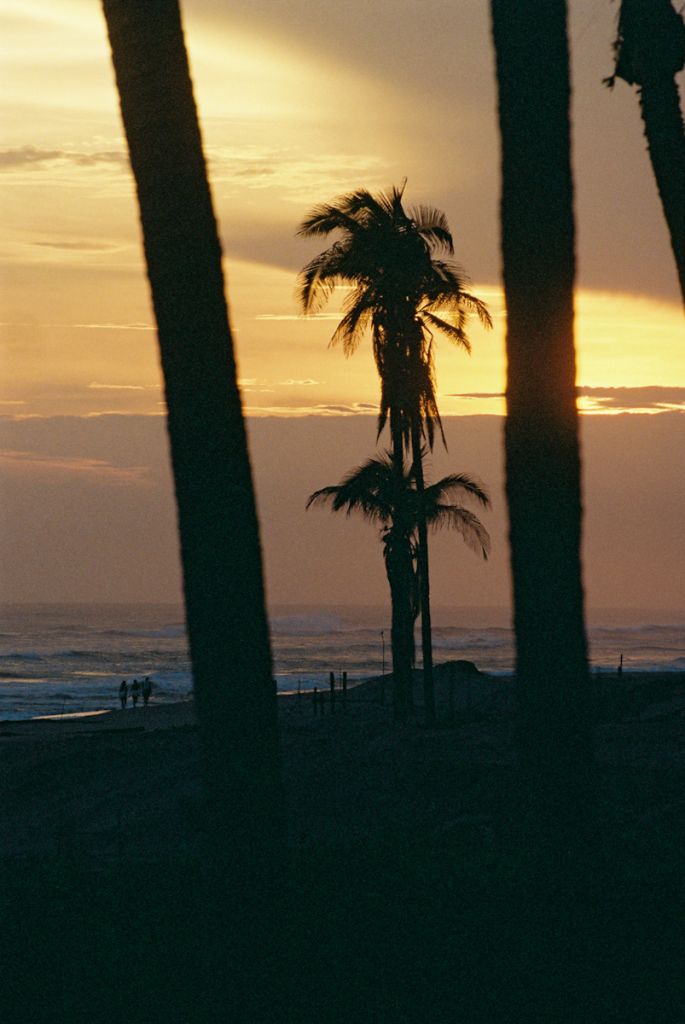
402, 290
404, 924
220, 548
541, 432
650, 51
371, 490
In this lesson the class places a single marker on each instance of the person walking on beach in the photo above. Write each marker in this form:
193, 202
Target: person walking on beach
147, 690
135, 691
123, 693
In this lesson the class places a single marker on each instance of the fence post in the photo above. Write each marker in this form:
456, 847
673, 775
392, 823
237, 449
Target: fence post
331, 685
344, 688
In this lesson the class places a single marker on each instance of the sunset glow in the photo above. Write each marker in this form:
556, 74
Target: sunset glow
298, 106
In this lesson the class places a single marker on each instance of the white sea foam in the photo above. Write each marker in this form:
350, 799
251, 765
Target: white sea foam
66, 660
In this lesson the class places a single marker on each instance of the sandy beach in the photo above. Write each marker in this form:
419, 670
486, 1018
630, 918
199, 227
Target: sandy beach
402, 901
126, 782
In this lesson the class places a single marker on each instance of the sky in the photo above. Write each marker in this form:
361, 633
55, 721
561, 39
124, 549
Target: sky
300, 102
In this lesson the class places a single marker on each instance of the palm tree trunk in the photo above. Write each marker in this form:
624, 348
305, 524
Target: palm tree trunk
650, 52
402, 633
665, 136
424, 580
541, 434
219, 536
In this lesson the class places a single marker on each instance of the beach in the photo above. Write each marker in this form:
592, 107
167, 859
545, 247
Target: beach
127, 782
402, 898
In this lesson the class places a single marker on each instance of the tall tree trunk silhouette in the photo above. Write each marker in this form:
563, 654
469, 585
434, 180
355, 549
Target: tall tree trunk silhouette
402, 624
650, 51
219, 537
541, 433
424, 578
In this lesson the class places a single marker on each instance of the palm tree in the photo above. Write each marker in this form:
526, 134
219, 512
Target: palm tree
219, 535
371, 490
650, 51
403, 291
541, 434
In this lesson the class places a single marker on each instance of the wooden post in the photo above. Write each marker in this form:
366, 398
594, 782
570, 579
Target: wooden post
331, 684
344, 688
315, 700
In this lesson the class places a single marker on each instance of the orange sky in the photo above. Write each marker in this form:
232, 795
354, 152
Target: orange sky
300, 103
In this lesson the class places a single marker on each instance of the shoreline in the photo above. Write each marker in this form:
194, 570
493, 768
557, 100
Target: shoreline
132, 779
468, 688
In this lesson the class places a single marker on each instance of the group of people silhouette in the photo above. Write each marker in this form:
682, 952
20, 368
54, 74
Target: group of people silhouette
135, 690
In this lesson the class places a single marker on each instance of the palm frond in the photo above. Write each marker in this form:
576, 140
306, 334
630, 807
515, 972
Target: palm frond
327, 217
317, 280
368, 489
456, 483
475, 305
323, 495
466, 523
432, 225
446, 278
354, 323
454, 332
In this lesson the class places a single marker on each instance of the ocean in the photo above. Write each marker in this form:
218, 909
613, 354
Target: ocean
70, 659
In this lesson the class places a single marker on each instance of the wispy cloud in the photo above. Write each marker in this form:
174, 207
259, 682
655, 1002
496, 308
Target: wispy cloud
284, 170
476, 394
78, 246
82, 467
84, 327
31, 156
650, 398
95, 385
114, 327
319, 409
298, 316
624, 399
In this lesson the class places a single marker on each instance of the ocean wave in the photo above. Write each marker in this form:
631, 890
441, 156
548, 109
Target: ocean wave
22, 656
647, 630
482, 641
306, 625
171, 632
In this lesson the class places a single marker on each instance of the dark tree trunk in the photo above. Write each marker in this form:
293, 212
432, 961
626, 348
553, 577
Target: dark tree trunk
650, 52
663, 122
402, 633
541, 434
220, 547
424, 580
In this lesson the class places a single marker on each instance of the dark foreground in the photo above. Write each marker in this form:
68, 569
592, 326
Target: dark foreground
406, 893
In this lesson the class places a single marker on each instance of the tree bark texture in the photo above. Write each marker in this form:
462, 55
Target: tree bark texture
665, 136
650, 52
424, 579
541, 434
402, 630
220, 548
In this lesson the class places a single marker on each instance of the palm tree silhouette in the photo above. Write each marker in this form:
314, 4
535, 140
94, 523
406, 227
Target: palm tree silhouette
403, 291
543, 479
371, 490
650, 51
228, 634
